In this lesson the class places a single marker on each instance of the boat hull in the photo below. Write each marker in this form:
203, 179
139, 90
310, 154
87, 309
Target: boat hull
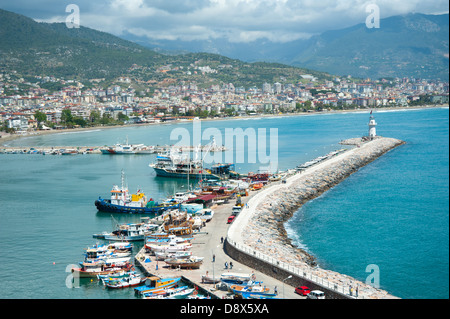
105, 206
164, 173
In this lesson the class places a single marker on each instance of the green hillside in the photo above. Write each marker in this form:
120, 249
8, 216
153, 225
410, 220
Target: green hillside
33, 48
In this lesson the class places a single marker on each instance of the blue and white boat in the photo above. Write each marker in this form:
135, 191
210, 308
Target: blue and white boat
121, 201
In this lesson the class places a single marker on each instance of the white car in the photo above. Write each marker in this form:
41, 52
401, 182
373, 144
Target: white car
316, 294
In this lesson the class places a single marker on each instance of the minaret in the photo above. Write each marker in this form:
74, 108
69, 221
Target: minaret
372, 127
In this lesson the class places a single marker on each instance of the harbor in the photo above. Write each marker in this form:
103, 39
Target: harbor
246, 257
118, 149
254, 242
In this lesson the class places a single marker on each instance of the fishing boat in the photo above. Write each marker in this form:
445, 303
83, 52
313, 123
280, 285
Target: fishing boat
253, 289
155, 285
161, 255
99, 267
170, 247
69, 152
121, 201
131, 281
177, 164
170, 293
118, 275
192, 262
183, 293
128, 232
230, 279
250, 295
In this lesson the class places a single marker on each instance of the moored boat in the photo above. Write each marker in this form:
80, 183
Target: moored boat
155, 285
121, 201
99, 267
192, 262
254, 289
131, 281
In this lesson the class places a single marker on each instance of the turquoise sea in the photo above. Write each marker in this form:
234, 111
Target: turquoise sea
392, 213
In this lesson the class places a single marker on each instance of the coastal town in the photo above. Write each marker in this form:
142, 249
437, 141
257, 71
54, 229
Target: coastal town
35, 103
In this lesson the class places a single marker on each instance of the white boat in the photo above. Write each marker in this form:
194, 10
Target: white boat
161, 255
191, 262
171, 247
131, 281
131, 232
169, 293
181, 294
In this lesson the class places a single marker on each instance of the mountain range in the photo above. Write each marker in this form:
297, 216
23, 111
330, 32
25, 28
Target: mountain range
37, 48
412, 45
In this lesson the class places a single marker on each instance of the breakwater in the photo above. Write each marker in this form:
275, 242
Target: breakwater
259, 231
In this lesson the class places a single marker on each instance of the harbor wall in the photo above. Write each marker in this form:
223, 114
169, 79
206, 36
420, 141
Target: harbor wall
258, 238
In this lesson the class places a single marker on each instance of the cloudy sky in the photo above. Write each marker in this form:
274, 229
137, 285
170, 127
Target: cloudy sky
235, 20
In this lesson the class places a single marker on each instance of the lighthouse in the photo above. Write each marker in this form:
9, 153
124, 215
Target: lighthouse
372, 127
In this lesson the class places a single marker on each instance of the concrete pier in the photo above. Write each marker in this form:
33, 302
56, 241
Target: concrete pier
206, 244
256, 242
258, 237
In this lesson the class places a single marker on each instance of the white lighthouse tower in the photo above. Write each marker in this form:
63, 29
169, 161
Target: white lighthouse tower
372, 127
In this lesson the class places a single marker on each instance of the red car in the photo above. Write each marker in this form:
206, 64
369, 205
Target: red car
230, 219
302, 290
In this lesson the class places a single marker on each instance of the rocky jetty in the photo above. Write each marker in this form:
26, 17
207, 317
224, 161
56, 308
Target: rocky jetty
264, 230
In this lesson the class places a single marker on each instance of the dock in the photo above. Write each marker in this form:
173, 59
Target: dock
207, 242
74, 150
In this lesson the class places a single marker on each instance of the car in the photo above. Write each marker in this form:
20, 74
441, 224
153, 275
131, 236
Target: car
302, 290
316, 294
230, 219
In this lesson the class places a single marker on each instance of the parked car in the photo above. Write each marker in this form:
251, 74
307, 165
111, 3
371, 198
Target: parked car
316, 294
236, 210
230, 219
302, 290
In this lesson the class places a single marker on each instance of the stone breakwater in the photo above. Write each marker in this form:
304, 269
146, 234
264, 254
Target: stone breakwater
263, 230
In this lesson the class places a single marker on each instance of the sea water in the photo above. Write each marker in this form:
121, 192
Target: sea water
392, 213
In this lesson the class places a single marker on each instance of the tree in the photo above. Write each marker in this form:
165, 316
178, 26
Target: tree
66, 116
40, 117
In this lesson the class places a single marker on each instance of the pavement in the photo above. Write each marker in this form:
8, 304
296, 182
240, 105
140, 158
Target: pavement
208, 243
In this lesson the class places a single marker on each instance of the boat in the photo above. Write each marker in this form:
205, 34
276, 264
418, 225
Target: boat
121, 201
99, 267
128, 232
161, 255
230, 279
250, 295
130, 281
253, 289
169, 239
170, 247
127, 149
177, 164
183, 293
170, 293
190, 263
155, 285
118, 275
69, 152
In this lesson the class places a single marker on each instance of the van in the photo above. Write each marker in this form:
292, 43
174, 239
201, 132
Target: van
316, 294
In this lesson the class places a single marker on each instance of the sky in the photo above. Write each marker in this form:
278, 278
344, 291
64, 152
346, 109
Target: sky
233, 20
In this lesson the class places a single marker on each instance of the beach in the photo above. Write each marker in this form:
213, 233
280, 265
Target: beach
5, 137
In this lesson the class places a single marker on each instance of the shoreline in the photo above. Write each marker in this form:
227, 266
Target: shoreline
261, 226
4, 138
